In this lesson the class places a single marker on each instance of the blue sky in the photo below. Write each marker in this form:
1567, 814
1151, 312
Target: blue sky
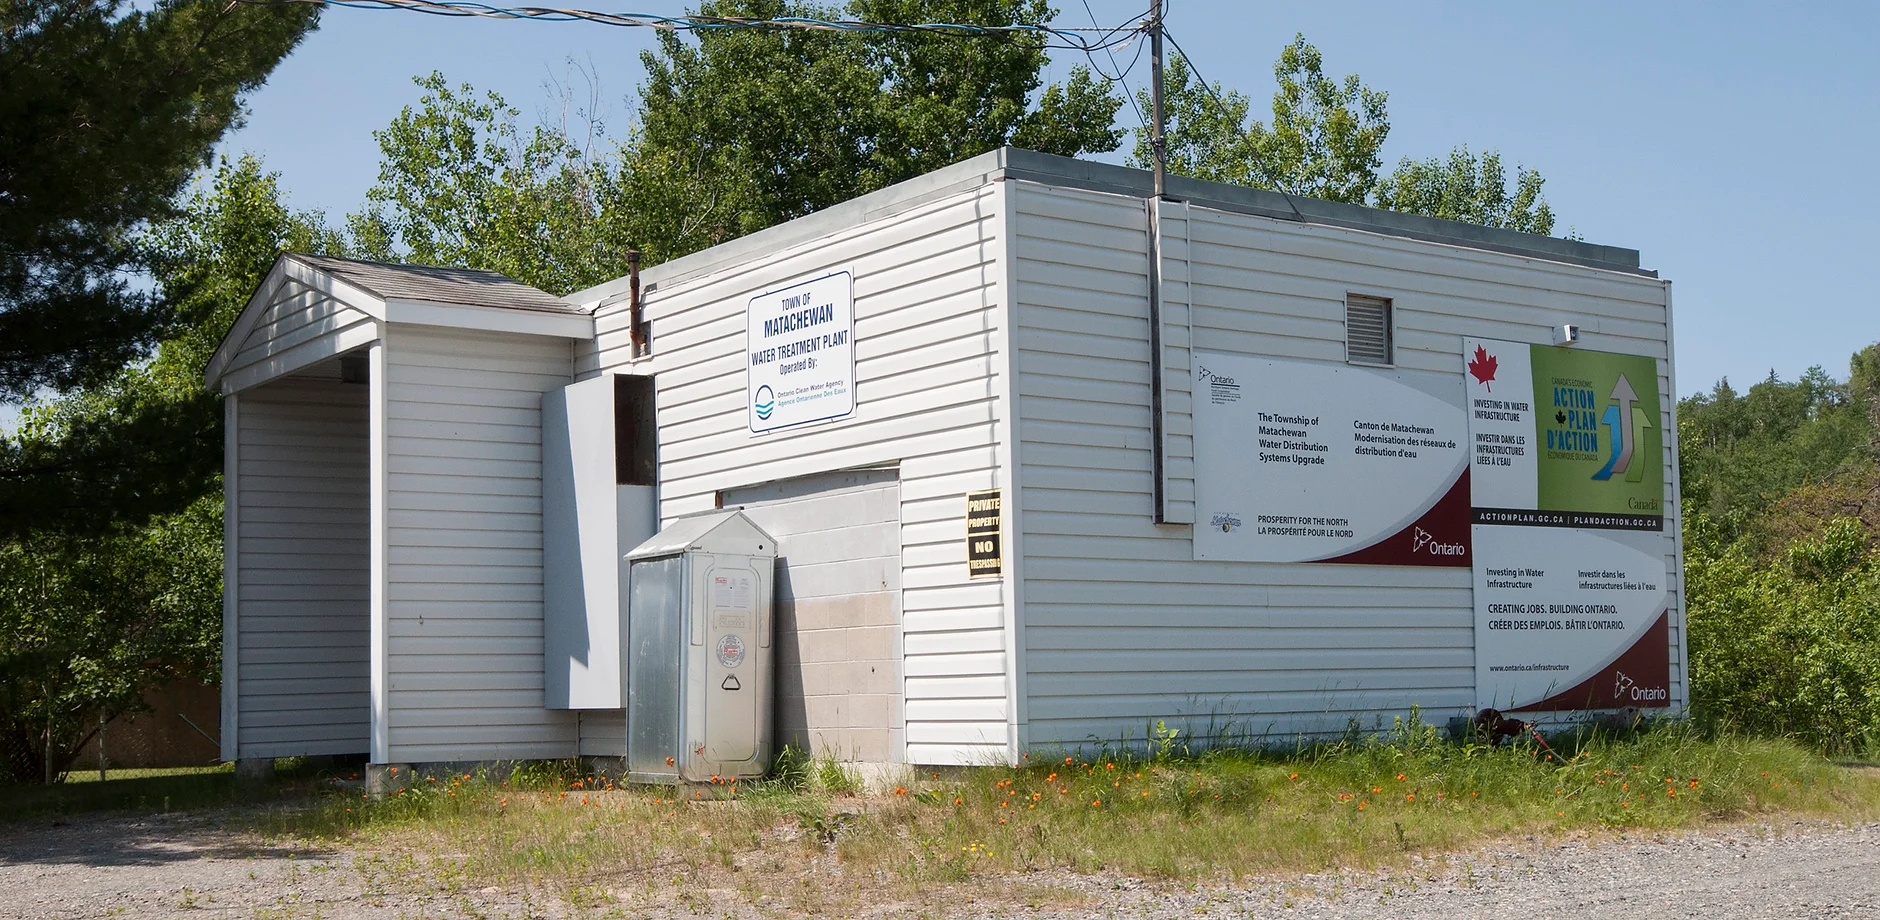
1724, 141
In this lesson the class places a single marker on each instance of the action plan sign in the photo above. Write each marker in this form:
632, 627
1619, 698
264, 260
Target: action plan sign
800, 360
1567, 465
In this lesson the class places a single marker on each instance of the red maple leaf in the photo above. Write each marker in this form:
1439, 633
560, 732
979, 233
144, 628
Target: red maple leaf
1483, 367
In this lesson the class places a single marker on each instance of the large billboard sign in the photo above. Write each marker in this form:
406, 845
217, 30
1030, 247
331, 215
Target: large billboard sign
800, 353
1567, 482
1309, 462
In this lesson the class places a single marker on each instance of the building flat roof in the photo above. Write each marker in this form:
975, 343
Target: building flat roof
1068, 172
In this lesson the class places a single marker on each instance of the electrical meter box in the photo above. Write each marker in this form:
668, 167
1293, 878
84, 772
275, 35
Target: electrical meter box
700, 633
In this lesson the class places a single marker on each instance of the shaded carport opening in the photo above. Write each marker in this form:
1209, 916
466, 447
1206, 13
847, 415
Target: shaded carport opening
301, 540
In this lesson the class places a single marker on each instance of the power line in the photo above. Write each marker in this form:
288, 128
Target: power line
1226, 113
1075, 39
1121, 72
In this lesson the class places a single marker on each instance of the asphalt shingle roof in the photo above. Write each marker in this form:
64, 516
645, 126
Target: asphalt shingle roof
469, 286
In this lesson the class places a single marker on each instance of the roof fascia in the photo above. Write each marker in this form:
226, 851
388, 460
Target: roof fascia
306, 353
489, 319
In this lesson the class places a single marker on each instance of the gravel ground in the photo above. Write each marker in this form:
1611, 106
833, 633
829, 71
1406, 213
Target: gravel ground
191, 866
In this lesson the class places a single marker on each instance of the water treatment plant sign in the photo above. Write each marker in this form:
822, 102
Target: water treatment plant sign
1309, 462
801, 360
1567, 466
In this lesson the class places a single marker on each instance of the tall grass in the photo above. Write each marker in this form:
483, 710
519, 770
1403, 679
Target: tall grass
1158, 812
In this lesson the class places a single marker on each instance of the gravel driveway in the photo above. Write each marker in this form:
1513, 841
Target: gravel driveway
190, 866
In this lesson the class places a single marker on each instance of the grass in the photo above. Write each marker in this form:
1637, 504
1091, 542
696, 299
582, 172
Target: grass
157, 790
814, 844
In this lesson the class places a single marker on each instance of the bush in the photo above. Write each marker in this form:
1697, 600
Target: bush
1790, 647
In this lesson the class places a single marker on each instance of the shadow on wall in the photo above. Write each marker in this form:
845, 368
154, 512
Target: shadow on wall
176, 731
792, 704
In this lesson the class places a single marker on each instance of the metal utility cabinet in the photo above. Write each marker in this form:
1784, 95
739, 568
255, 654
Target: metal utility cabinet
700, 624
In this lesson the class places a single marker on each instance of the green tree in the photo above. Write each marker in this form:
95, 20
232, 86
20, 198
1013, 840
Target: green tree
106, 111
1740, 453
88, 624
149, 440
461, 184
110, 581
736, 130
1791, 645
1468, 188
1325, 141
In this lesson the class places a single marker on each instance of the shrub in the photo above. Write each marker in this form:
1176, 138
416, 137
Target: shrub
1790, 647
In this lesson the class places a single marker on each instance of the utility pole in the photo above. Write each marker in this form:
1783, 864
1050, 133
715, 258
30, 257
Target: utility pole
1158, 142
1158, 146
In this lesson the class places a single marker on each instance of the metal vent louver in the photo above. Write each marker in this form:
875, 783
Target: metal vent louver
1367, 330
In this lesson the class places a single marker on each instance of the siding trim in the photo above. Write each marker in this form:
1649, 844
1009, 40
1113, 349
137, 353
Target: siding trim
304, 355
1174, 383
489, 319
1675, 486
381, 709
1006, 452
231, 577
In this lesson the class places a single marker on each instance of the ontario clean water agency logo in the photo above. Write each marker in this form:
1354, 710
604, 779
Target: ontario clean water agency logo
765, 403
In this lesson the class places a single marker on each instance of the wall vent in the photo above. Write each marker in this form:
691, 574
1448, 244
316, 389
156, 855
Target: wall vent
1368, 338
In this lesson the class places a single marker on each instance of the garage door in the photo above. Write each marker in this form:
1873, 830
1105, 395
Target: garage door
839, 687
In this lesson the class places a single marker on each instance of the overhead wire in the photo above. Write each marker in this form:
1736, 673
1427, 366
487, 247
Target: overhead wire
1122, 73
1227, 113
1075, 39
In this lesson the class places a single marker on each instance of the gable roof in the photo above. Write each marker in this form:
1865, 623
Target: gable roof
466, 286
335, 305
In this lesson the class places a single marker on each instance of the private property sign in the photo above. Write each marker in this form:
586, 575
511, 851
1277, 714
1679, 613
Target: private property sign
800, 353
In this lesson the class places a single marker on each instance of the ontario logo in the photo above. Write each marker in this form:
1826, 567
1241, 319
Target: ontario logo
765, 403
1625, 688
1422, 541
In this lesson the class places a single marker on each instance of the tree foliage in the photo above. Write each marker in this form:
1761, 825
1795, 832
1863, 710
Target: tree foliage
110, 578
1742, 453
107, 110
149, 440
461, 184
1325, 141
88, 624
1781, 501
1468, 188
1789, 646
736, 131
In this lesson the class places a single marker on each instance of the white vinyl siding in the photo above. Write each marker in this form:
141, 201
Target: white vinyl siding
1122, 626
463, 519
298, 328
302, 595
928, 295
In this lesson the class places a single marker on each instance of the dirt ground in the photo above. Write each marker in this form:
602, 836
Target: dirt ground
199, 866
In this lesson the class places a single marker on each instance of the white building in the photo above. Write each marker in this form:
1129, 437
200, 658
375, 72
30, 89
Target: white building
993, 325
